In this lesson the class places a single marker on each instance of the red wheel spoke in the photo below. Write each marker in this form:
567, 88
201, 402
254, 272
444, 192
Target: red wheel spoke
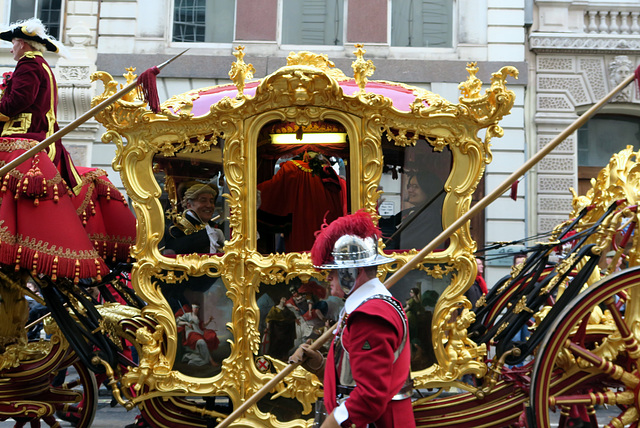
628, 338
581, 333
625, 418
593, 398
615, 371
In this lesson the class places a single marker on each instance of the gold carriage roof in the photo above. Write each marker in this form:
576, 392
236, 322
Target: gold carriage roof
403, 99
402, 96
311, 79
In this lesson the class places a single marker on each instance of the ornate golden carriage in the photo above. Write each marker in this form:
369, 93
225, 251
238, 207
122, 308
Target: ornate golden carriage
228, 136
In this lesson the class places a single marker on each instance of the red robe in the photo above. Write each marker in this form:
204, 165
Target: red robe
39, 227
373, 332
308, 197
106, 217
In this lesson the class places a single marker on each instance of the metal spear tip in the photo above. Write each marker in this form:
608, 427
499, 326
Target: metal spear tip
171, 59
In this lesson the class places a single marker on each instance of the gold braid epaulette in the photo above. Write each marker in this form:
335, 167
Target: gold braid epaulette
181, 222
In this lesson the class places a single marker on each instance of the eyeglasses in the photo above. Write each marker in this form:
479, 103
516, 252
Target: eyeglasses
413, 187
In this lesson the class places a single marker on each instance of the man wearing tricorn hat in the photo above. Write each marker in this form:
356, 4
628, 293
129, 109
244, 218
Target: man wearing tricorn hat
367, 370
29, 102
194, 232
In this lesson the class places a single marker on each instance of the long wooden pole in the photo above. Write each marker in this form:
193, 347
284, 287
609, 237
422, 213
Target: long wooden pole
77, 122
482, 204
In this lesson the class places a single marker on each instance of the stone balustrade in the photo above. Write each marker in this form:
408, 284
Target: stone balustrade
607, 21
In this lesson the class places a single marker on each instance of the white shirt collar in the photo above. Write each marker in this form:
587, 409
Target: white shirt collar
366, 290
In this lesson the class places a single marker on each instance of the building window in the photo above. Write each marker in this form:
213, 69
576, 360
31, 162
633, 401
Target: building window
596, 146
312, 22
422, 23
49, 12
210, 21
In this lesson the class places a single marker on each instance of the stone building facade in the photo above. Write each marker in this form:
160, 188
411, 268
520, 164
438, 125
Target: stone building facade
432, 53
578, 52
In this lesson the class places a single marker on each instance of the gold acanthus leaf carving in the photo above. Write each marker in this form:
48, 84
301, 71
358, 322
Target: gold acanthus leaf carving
320, 61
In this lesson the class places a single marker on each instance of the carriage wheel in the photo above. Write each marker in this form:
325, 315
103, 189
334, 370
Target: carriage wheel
582, 366
82, 413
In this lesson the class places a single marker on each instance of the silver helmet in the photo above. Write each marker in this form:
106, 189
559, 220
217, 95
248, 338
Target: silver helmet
347, 244
351, 251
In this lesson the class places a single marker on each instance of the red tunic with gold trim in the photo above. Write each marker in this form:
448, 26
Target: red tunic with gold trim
296, 190
372, 333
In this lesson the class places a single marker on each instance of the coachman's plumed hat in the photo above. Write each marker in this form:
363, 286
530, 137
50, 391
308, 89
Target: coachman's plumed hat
31, 30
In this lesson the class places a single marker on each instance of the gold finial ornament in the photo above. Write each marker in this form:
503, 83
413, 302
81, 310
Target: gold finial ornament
362, 68
471, 87
240, 72
130, 77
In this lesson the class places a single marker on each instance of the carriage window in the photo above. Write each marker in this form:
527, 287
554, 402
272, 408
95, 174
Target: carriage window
196, 215
413, 194
419, 292
302, 182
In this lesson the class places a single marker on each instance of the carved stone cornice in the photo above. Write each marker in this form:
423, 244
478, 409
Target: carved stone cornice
584, 43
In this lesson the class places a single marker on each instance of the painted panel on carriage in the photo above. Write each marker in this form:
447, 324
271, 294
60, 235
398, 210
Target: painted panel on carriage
202, 310
196, 215
291, 314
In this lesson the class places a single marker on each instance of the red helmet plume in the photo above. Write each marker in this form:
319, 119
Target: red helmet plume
359, 224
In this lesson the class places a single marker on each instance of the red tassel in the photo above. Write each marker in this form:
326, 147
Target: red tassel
637, 74
34, 184
514, 190
54, 269
147, 83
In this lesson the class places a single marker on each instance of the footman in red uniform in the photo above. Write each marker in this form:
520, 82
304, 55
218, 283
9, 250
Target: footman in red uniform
367, 370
